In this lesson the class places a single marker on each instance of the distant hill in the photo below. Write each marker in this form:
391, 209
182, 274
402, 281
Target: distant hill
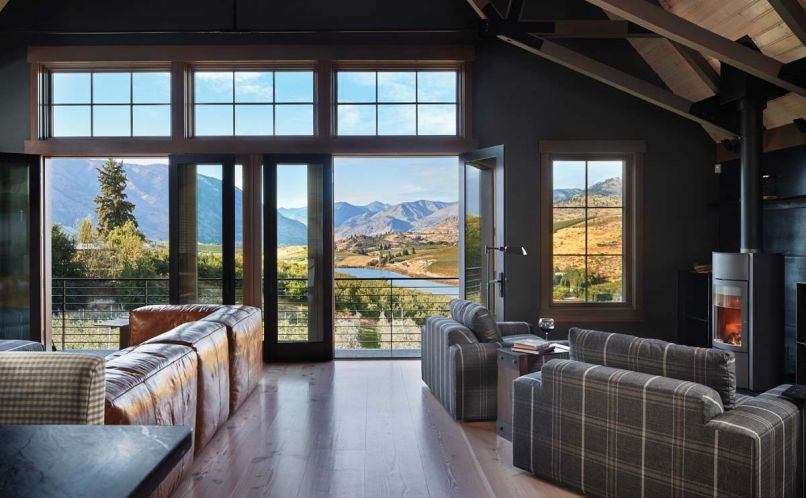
607, 192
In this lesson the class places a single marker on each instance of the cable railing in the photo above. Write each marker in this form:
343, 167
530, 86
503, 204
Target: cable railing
374, 317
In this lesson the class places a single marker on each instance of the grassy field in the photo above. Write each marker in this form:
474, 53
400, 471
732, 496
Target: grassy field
601, 239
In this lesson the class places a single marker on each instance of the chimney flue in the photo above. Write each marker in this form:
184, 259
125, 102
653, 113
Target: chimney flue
752, 129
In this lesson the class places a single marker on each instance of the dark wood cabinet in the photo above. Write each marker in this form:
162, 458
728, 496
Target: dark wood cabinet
694, 309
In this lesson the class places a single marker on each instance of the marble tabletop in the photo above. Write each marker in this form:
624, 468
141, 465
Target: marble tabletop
88, 460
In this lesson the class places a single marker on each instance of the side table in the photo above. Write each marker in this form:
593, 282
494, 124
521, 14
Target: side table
511, 365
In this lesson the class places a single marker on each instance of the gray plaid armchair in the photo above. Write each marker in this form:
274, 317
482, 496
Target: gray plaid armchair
627, 416
458, 367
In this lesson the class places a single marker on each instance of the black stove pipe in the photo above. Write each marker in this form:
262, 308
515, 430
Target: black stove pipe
752, 129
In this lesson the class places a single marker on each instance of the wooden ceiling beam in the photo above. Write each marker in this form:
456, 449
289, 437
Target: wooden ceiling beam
615, 78
702, 40
570, 28
793, 15
699, 65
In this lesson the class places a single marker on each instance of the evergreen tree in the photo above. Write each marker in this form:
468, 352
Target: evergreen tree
112, 207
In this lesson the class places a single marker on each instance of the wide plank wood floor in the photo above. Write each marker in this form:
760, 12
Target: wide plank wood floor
354, 429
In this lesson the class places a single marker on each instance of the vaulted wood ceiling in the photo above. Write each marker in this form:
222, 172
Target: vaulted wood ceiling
731, 19
686, 72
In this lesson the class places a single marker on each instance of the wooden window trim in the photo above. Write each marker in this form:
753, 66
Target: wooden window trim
632, 309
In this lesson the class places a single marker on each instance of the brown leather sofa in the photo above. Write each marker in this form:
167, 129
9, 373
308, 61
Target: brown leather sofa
209, 341
244, 337
154, 384
187, 365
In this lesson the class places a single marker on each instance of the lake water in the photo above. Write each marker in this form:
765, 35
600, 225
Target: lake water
432, 286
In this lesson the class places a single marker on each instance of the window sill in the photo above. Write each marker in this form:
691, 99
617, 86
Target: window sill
583, 312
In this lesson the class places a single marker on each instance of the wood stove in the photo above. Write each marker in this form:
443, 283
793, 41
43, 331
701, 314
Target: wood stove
747, 302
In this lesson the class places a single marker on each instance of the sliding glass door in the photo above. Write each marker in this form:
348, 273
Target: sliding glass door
20, 216
298, 252
203, 229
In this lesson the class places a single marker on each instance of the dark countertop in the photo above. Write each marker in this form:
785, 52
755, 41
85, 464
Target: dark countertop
88, 460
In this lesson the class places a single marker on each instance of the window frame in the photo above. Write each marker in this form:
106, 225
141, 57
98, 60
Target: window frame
180, 60
631, 152
377, 103
46, 105
190, 125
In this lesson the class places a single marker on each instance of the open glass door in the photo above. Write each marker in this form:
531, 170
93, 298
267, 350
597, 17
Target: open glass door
481, 228
202, 229
21, 289
298, 252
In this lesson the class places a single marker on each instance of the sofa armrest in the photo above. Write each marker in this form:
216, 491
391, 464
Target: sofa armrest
473, 376
514, 328
764, 434
51, 388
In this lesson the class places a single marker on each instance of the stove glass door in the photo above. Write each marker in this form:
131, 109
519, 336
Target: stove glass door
730, 303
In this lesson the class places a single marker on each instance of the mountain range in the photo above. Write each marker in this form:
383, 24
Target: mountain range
74, 184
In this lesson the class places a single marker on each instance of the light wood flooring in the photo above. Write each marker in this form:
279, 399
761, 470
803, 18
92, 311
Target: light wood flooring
355, 429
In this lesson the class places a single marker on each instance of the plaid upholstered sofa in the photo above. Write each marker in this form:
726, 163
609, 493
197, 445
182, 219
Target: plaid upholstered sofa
627, 416
51, 388
459, 358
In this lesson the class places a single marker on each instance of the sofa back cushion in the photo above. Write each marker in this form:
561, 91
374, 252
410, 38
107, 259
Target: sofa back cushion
711, 367
147, 322
477, 318
244, 326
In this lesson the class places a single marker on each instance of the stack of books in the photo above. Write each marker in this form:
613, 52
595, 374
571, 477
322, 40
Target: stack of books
533, 346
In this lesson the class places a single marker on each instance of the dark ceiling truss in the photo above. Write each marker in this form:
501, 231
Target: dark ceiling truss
703, 114
687, 33
647, 19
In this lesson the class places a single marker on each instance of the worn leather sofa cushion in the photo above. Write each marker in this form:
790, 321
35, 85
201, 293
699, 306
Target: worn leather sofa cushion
245, 336
150, 321
209, 340
714, 368
154, 384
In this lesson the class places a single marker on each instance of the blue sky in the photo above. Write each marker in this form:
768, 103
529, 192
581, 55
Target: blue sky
254, 103
392, 180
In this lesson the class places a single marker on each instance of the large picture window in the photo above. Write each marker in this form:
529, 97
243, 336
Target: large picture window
396, 103
253, 103
590, 259
110, 104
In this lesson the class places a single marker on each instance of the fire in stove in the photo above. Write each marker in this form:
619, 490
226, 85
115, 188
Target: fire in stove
729, 320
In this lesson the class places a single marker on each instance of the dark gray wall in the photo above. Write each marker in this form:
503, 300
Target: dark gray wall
518, 100
784, 223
